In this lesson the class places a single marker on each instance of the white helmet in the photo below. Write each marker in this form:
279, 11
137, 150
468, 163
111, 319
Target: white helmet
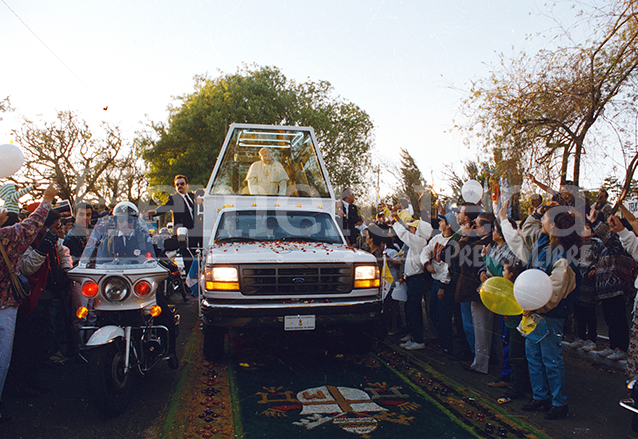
126, 208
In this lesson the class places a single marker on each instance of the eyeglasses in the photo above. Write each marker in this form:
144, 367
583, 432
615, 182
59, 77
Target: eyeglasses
180, 184
122, 219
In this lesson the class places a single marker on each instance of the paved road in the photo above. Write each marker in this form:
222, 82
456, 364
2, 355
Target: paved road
593, 393
67, 413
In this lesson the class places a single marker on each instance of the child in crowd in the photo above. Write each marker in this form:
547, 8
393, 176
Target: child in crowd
519, 374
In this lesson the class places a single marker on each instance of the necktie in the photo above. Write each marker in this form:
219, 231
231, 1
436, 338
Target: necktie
189, 203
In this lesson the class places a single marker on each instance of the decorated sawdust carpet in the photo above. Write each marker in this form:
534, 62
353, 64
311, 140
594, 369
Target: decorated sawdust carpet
202, 404
309, 385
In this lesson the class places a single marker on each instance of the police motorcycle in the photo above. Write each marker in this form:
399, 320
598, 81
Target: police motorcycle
174, 283
136, 328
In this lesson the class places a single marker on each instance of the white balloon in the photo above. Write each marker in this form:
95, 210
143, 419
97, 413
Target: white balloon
472, 191
12, 160
533, 289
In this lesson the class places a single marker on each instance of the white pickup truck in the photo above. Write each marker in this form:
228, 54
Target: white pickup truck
274, 254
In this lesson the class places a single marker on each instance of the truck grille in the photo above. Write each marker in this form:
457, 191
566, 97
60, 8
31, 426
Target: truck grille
296, 279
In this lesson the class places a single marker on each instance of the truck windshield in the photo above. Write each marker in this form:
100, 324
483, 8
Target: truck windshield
262, 161
266, 225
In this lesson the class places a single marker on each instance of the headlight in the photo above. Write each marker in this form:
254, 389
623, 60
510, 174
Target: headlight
222, 278
116, 289
366, 276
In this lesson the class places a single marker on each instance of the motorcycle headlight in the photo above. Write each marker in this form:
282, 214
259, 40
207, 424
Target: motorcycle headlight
366, 276
116, 289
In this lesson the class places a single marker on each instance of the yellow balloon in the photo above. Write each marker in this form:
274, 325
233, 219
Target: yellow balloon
497, 294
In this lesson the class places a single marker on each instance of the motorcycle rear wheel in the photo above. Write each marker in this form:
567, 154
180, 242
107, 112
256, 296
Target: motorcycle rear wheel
109, 386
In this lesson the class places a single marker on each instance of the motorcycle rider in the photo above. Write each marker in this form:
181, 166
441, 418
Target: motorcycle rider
131, 243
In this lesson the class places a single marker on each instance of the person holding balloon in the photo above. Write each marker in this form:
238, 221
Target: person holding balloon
500, 292
470, 248
548, 290
496, 255
465, 217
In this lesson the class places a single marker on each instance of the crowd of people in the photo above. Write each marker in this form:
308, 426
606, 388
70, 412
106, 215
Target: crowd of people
439, 264
42, 243
438, 261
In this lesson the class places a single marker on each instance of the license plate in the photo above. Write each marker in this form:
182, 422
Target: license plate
299, 323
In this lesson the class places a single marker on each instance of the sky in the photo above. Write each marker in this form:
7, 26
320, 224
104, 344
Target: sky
406, 63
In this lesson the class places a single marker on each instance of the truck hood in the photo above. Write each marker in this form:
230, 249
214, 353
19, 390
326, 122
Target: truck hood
289, 252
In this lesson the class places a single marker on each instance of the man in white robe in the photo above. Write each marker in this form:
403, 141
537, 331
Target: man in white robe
267, 177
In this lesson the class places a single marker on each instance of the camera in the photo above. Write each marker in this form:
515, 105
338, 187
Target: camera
62, 207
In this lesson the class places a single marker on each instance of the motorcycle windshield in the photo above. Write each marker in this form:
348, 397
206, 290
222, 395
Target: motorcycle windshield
119, 240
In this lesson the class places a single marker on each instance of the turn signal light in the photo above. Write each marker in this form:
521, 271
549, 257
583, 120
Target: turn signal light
223, 286
90, 289
82, 312
142, 288
156, 310
367, 283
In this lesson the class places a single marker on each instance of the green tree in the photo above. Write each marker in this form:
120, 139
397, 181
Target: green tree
541, 109
412, 180
191, 139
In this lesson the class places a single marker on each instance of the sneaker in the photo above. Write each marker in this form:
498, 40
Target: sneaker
406, 343
588, 346
413, 346
605, 352
618, 355
576, 343
406, 338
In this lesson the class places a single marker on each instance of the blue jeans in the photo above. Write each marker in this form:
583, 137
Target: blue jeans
468, 324
441, 311
413, 309
505, 340
7, 330
546, 365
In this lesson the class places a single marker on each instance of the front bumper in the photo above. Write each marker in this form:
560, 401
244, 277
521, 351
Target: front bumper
272, 313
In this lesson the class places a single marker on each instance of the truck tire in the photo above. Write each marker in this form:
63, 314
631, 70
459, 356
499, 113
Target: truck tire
214, 342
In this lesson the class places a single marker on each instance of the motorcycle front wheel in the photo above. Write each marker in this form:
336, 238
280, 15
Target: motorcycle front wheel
110, 387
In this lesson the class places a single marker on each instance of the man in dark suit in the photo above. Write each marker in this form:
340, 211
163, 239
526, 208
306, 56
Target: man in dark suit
349, 216
184, 208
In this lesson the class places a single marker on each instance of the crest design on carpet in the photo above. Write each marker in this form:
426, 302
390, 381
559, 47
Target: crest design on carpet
357, 411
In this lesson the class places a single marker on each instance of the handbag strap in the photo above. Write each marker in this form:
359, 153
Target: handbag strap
6, 258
